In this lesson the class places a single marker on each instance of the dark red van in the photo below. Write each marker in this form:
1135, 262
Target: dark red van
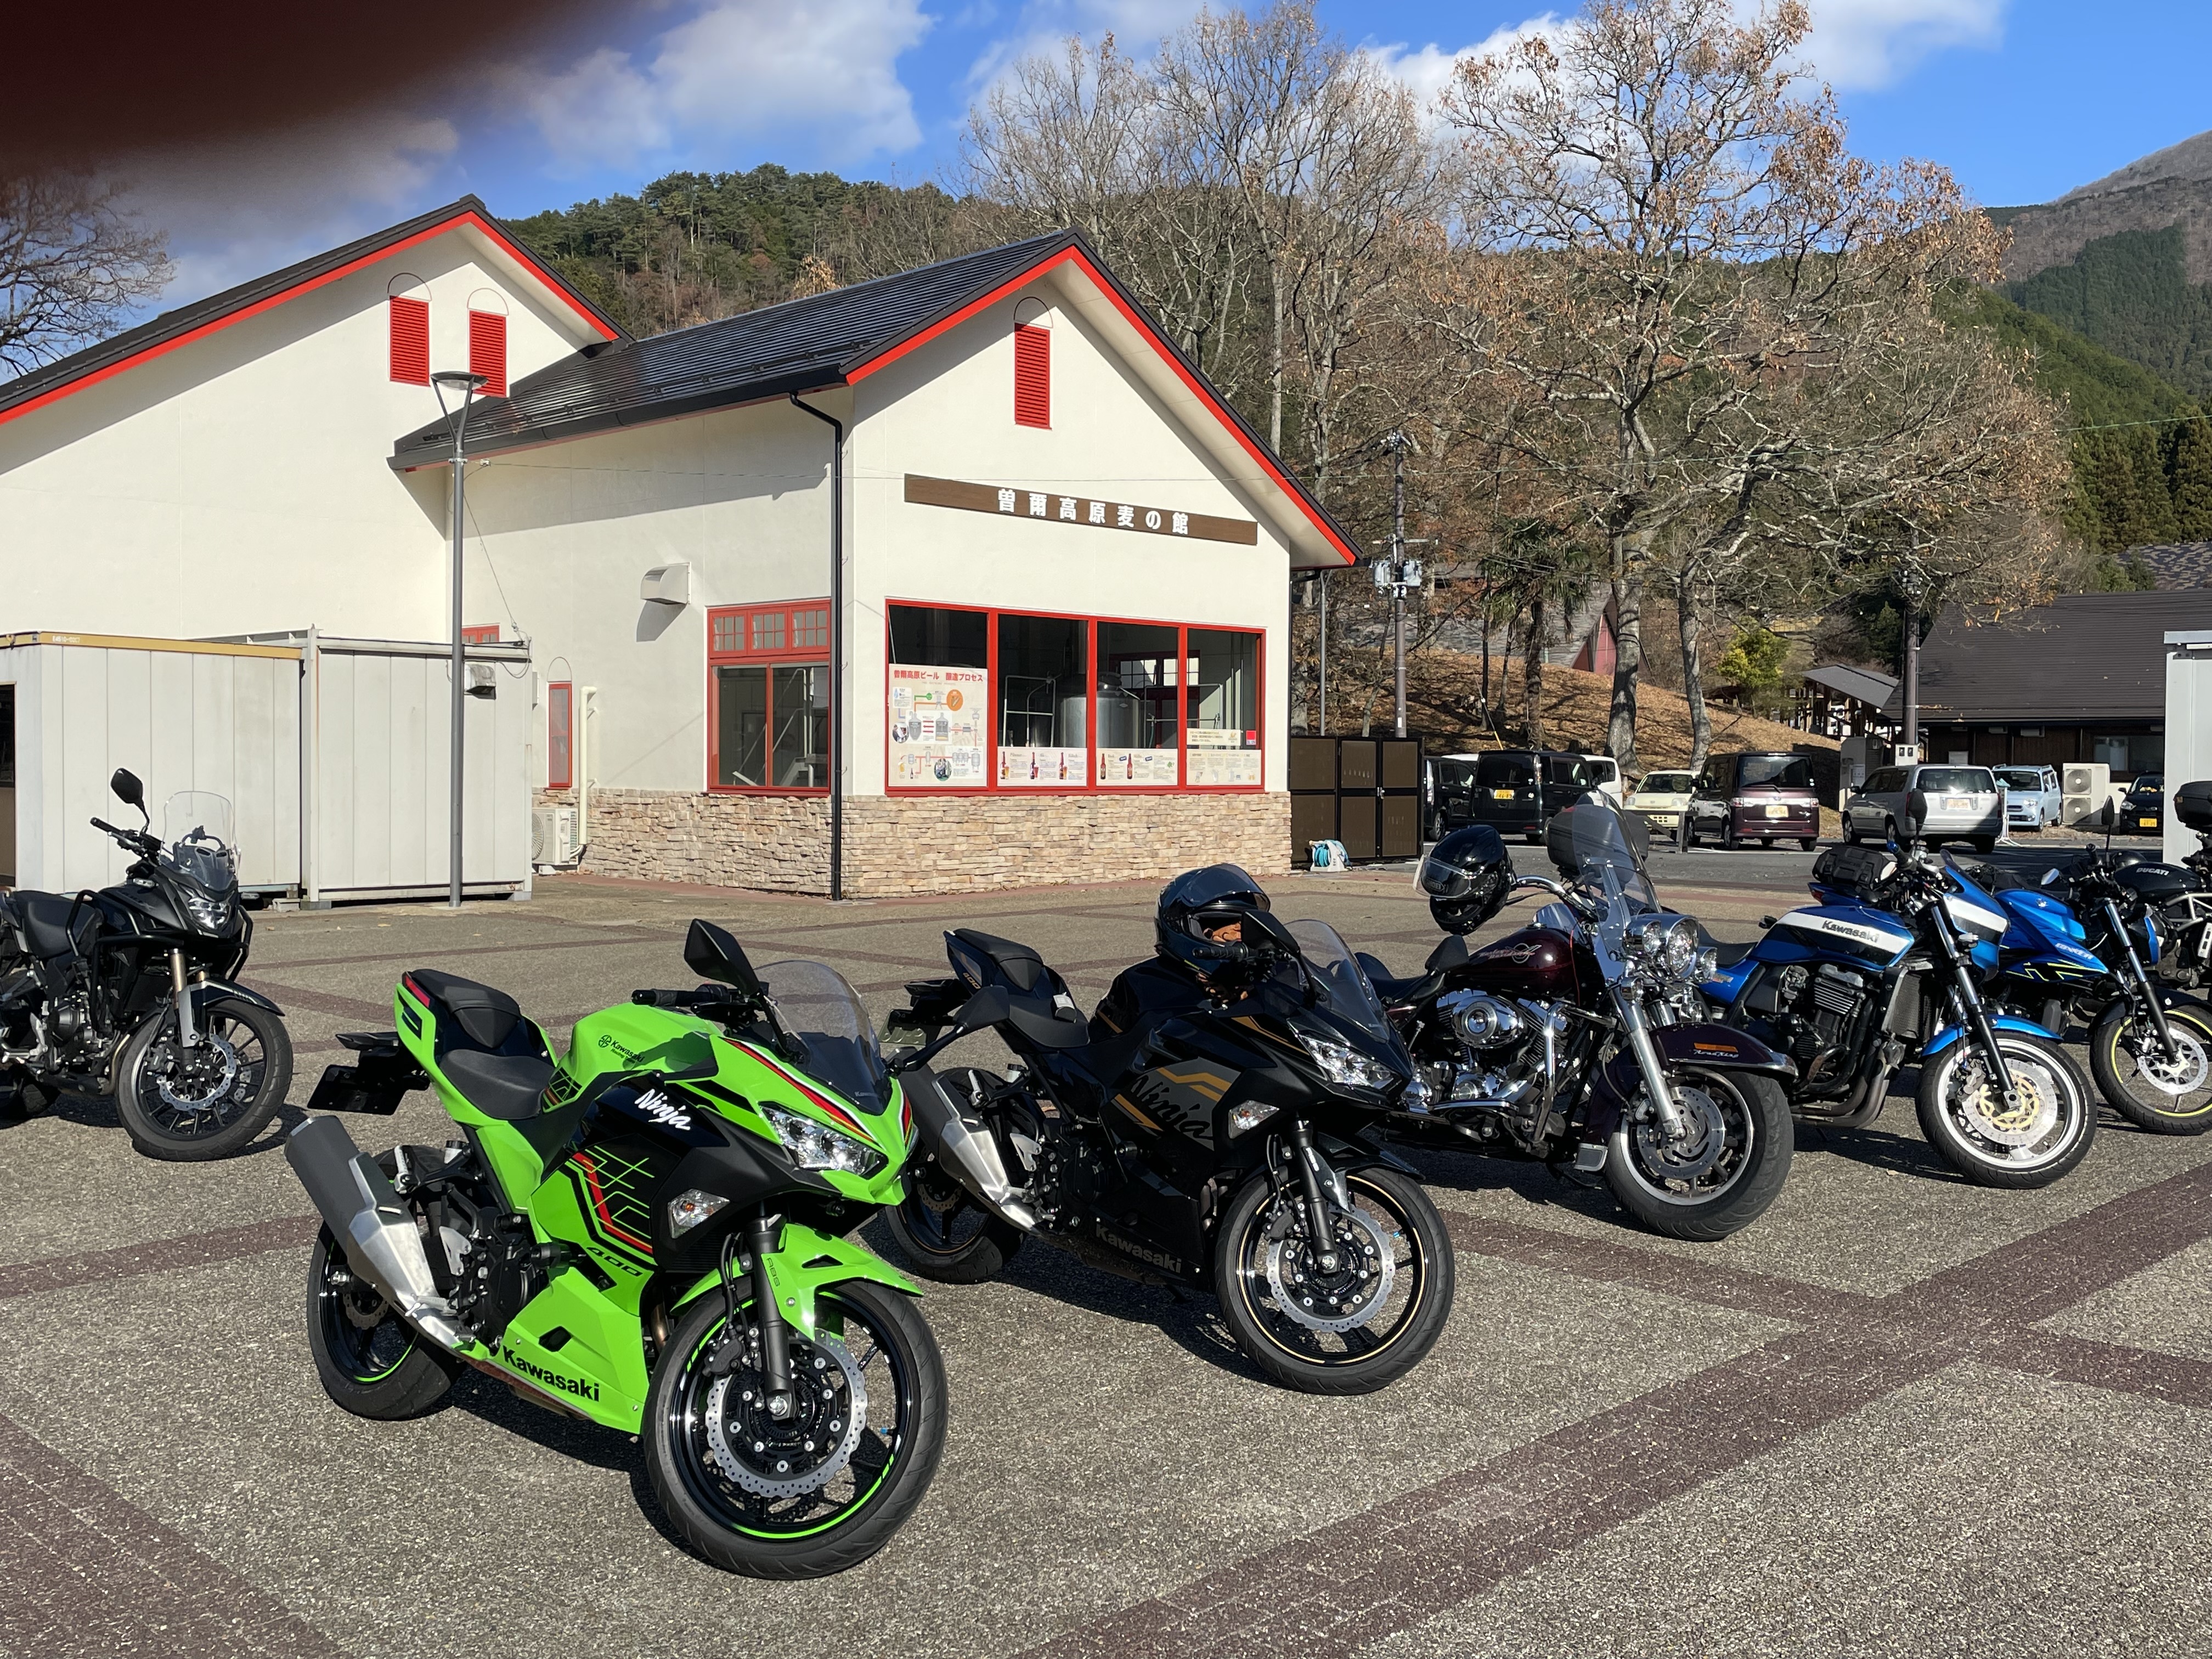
1764, 797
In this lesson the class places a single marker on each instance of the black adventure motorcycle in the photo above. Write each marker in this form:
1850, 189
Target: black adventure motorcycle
1212, 1125
132, 990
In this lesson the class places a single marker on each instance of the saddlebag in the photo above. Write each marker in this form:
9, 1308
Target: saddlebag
383, 1076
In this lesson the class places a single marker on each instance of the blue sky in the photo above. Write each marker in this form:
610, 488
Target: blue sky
2023, 99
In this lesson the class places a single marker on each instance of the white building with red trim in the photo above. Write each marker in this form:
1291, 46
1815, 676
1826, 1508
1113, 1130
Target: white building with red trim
1050, 564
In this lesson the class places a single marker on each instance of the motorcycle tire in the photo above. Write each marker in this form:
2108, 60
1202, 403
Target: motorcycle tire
21, 1097
1297, 1354
946, 1235
1989, 1159
369, 1359
2122, 1080
744, 1531
1756, 1108
160, 1130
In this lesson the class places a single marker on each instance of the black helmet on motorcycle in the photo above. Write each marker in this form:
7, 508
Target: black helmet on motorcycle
1467, 876
1200, 923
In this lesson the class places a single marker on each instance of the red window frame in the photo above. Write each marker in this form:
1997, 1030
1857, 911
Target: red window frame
561, 735
411, 339
480, 633
792, 633
1090, 784
1032, 375
488, 351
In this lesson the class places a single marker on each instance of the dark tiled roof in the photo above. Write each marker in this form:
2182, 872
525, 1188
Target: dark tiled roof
171, 325
800, 344
1863, 684
2085, 657
2178, 564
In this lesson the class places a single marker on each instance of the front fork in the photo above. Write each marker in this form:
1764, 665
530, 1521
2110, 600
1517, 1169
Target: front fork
762, 1239
180, 989
1628, 1006
2139, 977
1969, 999
1320, 1183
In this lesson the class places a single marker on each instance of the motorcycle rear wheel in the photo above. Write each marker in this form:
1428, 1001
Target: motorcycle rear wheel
1953, 1090
369, 1359
1761, 1140
1249, 1281
224, 1122
946, 1235
868, 1493
2123, 1077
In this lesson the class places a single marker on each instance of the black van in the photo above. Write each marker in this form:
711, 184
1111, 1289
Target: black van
1513, 791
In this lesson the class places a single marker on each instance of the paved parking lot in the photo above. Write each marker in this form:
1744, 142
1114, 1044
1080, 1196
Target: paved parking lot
1899, 1415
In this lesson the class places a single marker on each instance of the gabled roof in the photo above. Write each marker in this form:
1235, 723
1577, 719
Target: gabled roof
2084, 657
1860, 684
812, 344
180, 327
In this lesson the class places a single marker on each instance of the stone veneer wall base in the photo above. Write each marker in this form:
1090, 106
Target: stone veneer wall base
897, 845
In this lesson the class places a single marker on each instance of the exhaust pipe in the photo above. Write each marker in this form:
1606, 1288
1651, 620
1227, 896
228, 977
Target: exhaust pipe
361, 1209
967, 1149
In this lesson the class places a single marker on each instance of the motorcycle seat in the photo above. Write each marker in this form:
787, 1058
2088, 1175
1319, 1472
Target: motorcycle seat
46, 929
1725, 954
504, 1086
485, 1016
1023, 968
1390, 989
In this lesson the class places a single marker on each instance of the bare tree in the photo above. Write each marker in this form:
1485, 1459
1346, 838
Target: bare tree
72, 262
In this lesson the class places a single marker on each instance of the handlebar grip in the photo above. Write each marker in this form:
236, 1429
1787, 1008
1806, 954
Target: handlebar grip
660, 999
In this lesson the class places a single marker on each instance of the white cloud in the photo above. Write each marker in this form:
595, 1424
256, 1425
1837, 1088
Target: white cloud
1137, 27
1861, 44
1427, 71
735, 69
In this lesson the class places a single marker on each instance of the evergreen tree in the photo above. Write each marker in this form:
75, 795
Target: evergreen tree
2189, 479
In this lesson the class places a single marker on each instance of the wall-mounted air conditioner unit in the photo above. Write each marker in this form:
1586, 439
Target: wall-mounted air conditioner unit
2086, 787
553, 838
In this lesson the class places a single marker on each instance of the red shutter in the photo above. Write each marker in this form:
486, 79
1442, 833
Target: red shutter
488, 351
411, 340
1032, 376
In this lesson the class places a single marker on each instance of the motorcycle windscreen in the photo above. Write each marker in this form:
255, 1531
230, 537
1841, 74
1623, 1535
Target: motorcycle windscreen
816, 1004
202, 844
1351, 995
1592, 844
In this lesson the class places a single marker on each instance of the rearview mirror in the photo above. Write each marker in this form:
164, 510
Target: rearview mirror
710, 952
127, 788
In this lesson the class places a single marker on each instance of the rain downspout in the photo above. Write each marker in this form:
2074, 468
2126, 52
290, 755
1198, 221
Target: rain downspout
836, 645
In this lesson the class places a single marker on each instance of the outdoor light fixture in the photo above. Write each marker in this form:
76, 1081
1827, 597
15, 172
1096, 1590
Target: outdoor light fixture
465, 383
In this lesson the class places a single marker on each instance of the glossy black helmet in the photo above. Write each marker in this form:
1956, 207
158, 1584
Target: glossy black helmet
1200, 923
1467, 876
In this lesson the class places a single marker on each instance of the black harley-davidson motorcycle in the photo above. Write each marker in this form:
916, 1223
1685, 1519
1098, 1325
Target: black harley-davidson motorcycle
1581, 1039
1212, 1126
131, 991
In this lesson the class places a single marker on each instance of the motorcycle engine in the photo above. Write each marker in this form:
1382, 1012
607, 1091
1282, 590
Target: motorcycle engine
1498, 1054
1815, 1015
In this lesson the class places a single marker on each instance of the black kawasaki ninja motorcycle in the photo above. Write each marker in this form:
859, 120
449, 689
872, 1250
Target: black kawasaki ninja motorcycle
1212, 1125
131, 991
1581, 1040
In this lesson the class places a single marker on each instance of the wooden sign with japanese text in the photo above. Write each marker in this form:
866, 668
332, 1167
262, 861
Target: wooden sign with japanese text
1054, 507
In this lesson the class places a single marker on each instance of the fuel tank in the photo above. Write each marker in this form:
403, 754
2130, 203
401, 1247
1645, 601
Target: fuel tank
1536, 961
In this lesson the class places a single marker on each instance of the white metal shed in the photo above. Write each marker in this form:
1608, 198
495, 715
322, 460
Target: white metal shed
332, 752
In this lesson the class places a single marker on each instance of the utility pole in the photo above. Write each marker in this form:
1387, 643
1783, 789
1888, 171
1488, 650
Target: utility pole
1396, 573
1912, 585
462, 381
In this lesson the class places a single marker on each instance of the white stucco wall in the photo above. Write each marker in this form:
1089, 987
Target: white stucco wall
238, 484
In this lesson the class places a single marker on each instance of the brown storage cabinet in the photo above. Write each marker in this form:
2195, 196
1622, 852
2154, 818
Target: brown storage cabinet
1364, 792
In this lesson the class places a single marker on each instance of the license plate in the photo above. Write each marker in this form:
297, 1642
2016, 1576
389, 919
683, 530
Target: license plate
1664, 820
2147, 823
1957, 804
1778, 811
1501, 794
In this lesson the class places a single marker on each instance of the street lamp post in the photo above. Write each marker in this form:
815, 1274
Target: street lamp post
465, 383
1397, 573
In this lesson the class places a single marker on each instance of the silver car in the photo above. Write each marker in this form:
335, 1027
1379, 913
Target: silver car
1964, 803
2032, 796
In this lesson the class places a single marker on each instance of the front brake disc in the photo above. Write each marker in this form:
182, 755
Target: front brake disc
1342, 1301
772, 1459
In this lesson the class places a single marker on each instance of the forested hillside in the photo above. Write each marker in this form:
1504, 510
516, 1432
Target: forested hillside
2132, 294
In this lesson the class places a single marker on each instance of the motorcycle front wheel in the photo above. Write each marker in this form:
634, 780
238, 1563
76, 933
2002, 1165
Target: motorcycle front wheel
823, 1488
1350, 1329
1721, 1174
210, 1101
2043, 1133
2168, 1095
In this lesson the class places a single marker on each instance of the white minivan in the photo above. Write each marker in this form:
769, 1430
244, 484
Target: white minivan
1605, 775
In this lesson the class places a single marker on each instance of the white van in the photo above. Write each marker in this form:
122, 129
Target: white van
1604, 775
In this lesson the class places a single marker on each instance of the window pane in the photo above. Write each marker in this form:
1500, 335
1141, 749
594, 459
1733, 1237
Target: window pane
729, 636
741, 726
558, 702
767, 631
1140, 680
1043, 709
801, 705
939, 637
810, 629
1221, 708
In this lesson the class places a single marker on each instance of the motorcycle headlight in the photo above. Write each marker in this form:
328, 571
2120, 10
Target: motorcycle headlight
208, 914
814, 1145
1680, 953
1346, 1066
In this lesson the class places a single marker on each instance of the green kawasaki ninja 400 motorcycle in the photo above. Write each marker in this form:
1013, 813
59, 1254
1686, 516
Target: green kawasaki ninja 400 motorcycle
650, 1235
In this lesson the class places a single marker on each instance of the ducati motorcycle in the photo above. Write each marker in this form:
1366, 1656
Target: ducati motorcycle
2083, 943
648, 1233
1222, 1140
1581, 1040
132, 991
1886, 967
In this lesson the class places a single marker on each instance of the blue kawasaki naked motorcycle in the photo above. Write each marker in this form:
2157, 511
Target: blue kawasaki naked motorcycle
1886, 967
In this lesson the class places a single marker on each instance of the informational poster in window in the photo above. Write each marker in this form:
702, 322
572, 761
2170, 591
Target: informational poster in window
1042, 768
1137, 768
1221, 758
937, 717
